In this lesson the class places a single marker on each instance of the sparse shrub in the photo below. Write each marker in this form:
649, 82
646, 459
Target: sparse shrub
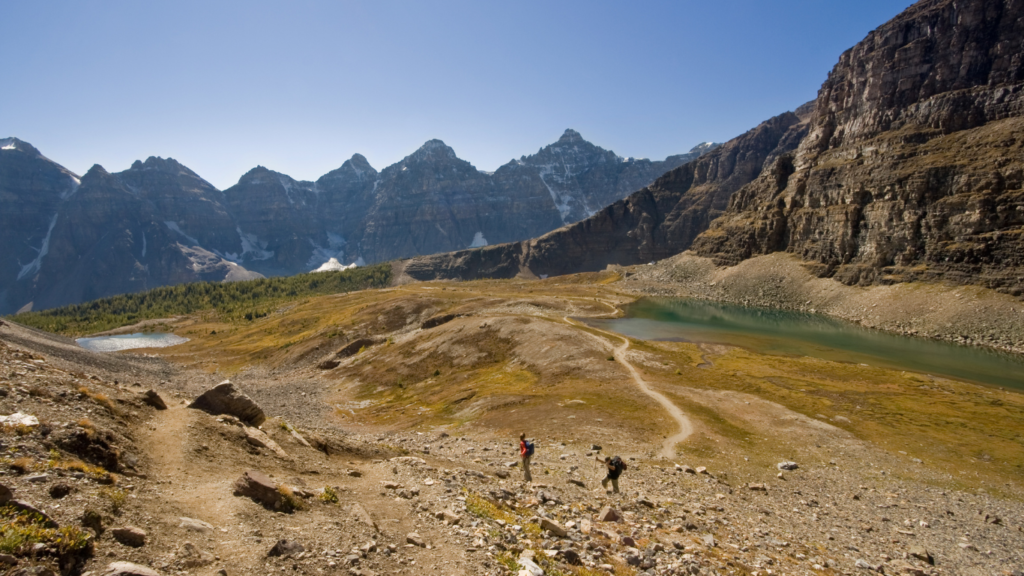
508, 560
22, 465
329, 496
484, 508
290, 502
611, 358
117, 498
20, 530
437, 373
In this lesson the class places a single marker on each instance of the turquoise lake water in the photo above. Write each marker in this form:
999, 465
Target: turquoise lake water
130, 341
800, 334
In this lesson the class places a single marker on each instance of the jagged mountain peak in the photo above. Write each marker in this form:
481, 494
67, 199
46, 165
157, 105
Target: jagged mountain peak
96, 171
570, 136
432, 150
13, 143
158, 163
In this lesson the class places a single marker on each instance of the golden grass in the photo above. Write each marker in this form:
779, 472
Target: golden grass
946, 424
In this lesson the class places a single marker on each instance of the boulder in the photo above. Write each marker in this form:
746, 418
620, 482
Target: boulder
286, 548
151, 398
130, 536
6, 494
224, 398
260, 488
129, 569
609, 514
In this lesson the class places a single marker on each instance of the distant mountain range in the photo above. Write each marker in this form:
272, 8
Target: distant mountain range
908, 166
68, 239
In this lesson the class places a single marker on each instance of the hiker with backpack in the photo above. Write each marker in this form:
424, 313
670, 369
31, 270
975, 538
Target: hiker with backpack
615, 467
525, 452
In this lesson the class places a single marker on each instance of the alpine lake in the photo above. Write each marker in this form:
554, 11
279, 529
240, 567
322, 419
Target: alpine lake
788, 333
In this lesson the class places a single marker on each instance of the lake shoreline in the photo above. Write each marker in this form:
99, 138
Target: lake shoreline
966, 315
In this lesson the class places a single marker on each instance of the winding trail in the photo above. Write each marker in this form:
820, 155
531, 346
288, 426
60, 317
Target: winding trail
619, 353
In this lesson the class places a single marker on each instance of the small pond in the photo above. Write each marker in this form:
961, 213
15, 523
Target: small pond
799, 334
129, 341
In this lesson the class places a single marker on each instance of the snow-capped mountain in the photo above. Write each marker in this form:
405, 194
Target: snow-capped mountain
67, 239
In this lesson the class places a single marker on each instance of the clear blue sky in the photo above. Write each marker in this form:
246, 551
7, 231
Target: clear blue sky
301, 86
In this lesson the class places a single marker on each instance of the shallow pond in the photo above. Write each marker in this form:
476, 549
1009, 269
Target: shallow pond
799, 334
129, 341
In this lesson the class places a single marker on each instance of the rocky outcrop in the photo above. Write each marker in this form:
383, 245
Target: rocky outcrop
913, 165
654, 223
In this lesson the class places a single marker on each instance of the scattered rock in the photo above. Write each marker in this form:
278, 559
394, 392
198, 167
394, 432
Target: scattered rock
709, 540
8, 560
415, 539
286, 548
260, 488
19, 419
129, 569
921, 554
787, 465
259, 438
151, 398
224, 398
6, 495
130, 536
34, 571
865, 565
193, 525
553, 527
609, 514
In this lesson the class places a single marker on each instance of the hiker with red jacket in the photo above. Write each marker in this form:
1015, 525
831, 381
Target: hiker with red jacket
525, 452
615, 467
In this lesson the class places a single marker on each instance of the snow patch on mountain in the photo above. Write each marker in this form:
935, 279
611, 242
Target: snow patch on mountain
253, 247
75, 183
333, 265
478, 241
34, 266
173, 227
334, 249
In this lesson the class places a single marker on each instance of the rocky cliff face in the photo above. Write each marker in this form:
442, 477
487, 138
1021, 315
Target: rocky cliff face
33, 189
909, 165
159, 223
913, 165
658, 221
